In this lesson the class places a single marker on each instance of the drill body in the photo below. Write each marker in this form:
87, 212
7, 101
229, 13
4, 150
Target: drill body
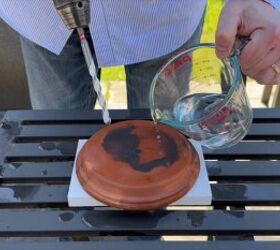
74, 13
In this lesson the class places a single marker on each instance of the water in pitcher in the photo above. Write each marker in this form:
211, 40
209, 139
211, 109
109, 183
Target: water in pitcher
217, 123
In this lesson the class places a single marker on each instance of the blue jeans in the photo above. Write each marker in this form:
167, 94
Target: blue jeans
63, 82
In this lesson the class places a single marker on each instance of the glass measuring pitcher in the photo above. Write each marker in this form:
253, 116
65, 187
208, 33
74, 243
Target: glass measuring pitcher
202, 96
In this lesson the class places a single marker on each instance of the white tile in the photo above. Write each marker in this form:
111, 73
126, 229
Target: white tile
200, 194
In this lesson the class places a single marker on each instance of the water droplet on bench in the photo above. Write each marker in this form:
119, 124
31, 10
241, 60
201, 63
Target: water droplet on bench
44, 172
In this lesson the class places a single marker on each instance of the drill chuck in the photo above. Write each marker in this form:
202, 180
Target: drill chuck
74, 13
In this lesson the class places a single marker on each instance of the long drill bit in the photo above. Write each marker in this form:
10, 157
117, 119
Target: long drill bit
76, 15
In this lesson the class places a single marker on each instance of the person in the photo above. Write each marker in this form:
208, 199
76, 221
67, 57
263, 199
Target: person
260, 21
139, 34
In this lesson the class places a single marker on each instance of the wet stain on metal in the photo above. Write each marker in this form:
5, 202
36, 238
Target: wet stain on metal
62, 147
17, 193
25, 192
8, 131
10, 128
113, 219
196, 217
7, 169
8, 195
14, 165
214, 170
233, 192
47, 146
124, 146
66, 147
237, 214
67, 216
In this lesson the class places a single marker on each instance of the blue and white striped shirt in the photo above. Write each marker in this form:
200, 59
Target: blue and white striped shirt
123, 31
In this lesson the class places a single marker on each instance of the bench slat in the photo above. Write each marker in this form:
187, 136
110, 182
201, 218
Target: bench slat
140, 245
66, 150
28, 172
237, 194
217, 170
93, 222
30, 133
74, 115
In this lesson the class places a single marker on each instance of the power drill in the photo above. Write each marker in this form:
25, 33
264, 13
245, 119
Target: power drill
76, 15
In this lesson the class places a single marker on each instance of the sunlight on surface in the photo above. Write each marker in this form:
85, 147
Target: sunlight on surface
213, 9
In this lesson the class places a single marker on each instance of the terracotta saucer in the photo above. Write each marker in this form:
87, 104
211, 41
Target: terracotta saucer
136, 165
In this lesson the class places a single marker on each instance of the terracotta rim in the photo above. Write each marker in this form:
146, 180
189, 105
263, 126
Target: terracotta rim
159, 197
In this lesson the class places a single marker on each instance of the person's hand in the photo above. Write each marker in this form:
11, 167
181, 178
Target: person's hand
260, 59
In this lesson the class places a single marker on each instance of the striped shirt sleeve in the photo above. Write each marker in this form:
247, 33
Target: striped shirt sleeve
37, 20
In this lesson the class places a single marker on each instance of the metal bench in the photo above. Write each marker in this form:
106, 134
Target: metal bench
36, 155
